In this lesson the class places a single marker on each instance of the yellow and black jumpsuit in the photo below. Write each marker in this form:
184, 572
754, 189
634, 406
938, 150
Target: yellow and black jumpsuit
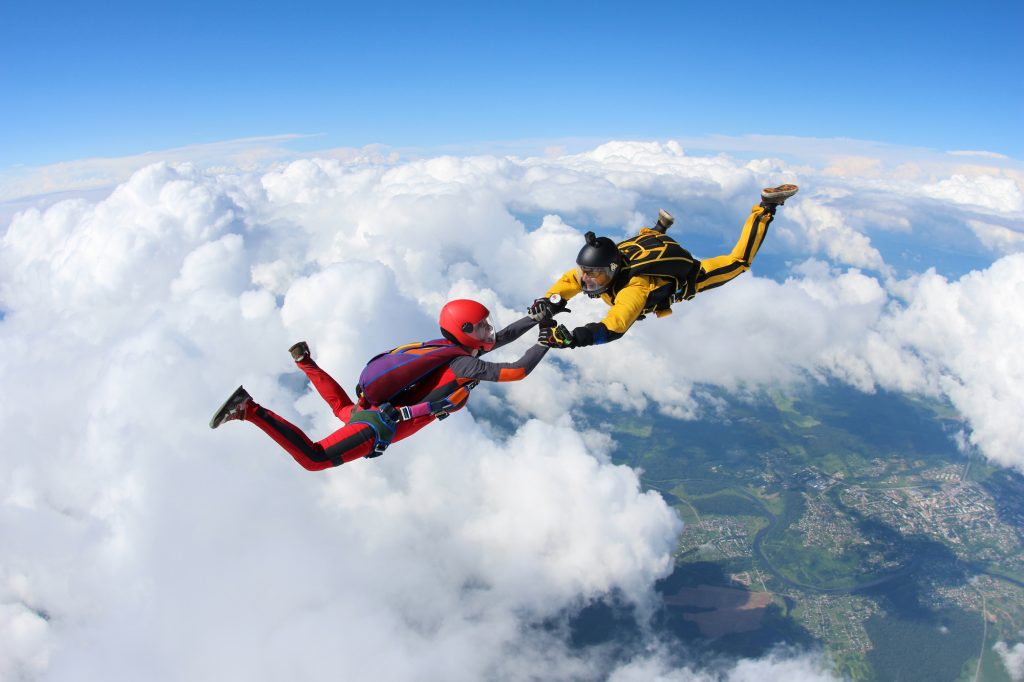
642, 294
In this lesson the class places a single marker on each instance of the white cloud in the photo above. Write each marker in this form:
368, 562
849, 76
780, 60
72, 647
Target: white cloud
996, 193
133, 533
979, 153
856, 166
777, 666
90, 174
27, 636
998, 238
1013, 659
126, 322
825, 231
962, 331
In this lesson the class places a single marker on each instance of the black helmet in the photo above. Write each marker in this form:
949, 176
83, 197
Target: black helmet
597, 264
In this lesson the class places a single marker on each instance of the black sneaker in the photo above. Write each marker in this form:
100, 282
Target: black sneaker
233, 408
299, 351
778, 195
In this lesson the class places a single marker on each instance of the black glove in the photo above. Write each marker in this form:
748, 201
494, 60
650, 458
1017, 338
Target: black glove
392, 415
546, 308
441, 408
556, 337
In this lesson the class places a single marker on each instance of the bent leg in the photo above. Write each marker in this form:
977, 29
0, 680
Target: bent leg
328, 388
717, 271
344, 445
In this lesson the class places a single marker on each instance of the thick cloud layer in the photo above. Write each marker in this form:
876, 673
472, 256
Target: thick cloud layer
139, 544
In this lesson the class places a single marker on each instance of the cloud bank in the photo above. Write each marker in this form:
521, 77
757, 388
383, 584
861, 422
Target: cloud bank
139, 544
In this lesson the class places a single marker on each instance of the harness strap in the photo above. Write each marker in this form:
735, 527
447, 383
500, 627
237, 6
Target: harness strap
383, 431
445, 406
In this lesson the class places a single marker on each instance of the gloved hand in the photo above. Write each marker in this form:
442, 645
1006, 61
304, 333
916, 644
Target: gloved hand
392, 415
556, 337
546, 308
441, 408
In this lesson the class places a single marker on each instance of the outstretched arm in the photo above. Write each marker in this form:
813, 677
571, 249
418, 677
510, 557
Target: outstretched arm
513, 331
467, 367
474, 369
629, 304
593, 334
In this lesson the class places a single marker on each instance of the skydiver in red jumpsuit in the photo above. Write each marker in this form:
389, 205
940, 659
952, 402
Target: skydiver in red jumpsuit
369, 429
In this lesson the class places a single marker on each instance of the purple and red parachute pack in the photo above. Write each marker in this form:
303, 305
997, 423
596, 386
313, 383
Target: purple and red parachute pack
388, 375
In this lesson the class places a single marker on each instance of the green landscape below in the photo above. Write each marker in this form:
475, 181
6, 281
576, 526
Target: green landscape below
830, 520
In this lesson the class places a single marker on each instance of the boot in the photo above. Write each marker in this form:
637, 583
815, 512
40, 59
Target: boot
777, 195
233, 408
665, 221
300, 351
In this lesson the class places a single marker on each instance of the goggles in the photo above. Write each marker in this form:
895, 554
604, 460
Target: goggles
482, 331
595, 280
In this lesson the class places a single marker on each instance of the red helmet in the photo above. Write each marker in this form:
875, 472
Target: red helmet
467, 323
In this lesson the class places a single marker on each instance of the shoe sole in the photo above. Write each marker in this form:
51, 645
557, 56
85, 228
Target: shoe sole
780, 192
239, 396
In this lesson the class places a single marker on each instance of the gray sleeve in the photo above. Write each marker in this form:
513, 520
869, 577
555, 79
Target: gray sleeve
467, 367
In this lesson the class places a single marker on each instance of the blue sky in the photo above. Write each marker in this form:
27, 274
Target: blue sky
81, 80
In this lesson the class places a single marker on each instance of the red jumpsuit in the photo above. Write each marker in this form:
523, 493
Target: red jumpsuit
356, 439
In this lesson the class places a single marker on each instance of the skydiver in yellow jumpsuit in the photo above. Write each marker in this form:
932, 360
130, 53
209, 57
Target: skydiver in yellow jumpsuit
638, 277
